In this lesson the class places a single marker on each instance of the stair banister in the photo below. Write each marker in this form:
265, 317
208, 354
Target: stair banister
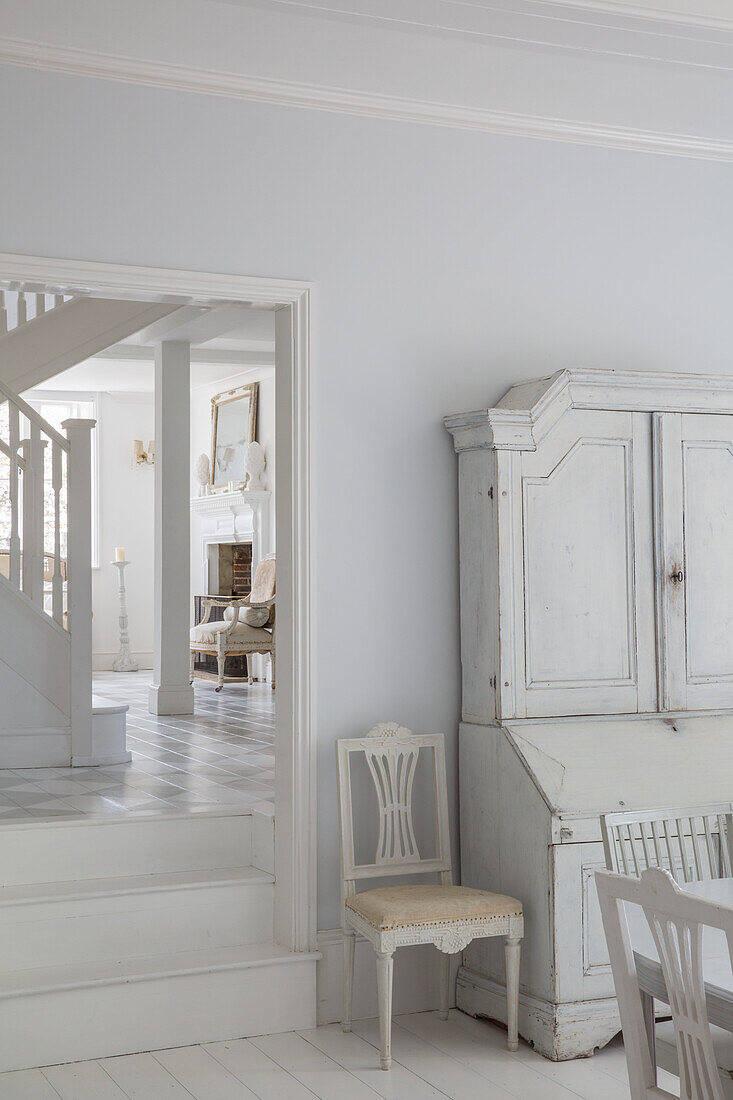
79, 534
34, 417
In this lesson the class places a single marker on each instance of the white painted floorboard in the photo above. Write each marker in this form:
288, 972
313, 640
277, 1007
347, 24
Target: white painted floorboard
461, 1059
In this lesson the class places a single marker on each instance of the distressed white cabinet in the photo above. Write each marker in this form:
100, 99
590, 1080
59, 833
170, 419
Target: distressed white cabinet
596, 542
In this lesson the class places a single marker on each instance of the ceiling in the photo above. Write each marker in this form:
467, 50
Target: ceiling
226, 342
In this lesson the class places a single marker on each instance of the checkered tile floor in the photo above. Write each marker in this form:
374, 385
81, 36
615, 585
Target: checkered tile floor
222, 757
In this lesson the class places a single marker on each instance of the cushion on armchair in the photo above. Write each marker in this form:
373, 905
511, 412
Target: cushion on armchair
242, 633
252, 616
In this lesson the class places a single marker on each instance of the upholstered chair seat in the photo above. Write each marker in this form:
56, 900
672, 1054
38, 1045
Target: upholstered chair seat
391, 907
207, 633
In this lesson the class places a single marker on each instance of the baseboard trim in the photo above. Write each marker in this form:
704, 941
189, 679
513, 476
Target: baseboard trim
46, 747
573, 1029
260, 89
102, 662
416, 978
101, 761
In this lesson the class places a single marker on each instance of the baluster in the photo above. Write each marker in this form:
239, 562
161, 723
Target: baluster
58, 300
57, 583
22, 314
14, 440
3, 314
40, 304
33, 516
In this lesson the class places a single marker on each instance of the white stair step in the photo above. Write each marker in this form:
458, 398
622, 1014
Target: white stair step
95, 1010
128, 917
83, 848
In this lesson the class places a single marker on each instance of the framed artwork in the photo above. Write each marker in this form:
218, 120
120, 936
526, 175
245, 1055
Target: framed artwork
233, 428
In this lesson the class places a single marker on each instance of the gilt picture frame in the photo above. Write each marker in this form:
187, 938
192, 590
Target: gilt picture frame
233, 428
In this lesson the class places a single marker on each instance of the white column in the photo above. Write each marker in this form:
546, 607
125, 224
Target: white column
79, 554
170, 692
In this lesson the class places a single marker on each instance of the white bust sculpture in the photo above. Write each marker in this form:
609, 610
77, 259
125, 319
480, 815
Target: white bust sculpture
201, 472
254, 465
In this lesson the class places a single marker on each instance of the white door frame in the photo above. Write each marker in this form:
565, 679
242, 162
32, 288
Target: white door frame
295, 776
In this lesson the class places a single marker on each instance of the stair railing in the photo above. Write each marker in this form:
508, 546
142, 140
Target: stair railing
43, 482
14, 301
46, 524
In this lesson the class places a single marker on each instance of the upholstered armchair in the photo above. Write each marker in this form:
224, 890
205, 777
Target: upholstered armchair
248, 626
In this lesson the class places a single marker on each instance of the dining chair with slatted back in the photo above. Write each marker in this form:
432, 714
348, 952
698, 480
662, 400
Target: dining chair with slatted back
692, 843
398, 916
676, 920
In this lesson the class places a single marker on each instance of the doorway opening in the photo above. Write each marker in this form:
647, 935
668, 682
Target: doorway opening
245, 740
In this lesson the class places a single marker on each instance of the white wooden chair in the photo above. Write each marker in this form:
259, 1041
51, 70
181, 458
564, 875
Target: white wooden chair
399, 916
676, 921
248, 626
693, 843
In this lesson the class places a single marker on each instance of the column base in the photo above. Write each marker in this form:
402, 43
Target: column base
170, 699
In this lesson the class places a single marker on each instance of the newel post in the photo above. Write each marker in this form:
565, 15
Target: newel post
79, 572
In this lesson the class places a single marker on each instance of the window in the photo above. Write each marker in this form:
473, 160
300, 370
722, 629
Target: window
55, 409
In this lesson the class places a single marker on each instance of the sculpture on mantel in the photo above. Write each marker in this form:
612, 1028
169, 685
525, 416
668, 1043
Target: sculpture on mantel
254, 465
202, 473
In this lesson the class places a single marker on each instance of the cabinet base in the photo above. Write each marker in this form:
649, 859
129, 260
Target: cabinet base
558, 1031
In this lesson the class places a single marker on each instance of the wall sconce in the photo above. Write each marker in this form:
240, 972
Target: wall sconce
143, 457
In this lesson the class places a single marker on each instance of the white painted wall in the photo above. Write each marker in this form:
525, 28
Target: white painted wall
447, 265
201, 416
126, 496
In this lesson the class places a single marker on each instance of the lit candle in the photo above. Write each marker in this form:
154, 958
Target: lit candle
119, 553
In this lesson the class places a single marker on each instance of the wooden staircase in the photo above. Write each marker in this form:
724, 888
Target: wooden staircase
119, 936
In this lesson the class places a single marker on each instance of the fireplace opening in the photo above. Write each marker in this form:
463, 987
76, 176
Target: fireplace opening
229, 574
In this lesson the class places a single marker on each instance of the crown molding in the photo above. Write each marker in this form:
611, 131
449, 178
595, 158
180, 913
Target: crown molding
641, 11
489, 18
174, 77
521, 429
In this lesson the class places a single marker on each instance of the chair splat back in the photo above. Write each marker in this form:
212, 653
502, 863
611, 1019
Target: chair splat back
392, 765
676, 921
392, 754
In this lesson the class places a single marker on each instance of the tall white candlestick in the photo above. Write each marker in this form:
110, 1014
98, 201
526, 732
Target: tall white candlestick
123, 662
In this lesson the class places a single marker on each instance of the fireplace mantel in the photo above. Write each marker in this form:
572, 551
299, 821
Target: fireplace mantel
226, 505
241, 516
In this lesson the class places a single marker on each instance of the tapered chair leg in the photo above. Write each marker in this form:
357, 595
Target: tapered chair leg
348, 986
384, 996
445, 984
220, 662
512, 950
192, 665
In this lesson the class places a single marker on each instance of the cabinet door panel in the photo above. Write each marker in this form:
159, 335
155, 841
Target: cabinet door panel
697, 541
588, 570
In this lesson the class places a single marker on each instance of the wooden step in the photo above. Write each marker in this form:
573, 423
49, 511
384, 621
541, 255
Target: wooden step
80, 849
93, 1010
124, 918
